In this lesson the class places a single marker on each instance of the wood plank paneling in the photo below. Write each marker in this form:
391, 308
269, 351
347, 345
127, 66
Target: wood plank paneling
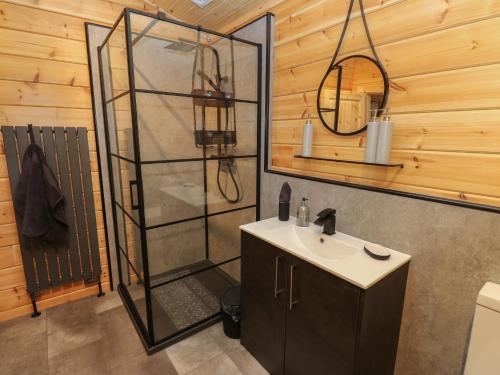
33, 20
454, 195
96, 10
479, 174
17, 303
44, 95
462, 131
443, 91
432, 16
21, 43
15, 115
444, 70
33, 70
467, 46
320, 16
44, 80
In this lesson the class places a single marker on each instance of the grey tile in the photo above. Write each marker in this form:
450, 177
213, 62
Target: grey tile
192, 352
24, 355
247, 364
122, 343
87, 359
107, 302
220, 365
25, 326
157, 364
70, 326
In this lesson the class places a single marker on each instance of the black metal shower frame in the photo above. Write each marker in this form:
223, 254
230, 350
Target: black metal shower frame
147, 333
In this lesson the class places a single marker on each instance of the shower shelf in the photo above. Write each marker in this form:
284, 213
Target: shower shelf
399, 165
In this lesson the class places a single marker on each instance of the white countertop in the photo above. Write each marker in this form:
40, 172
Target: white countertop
341, 255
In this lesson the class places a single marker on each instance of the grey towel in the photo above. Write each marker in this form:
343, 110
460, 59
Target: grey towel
39, 202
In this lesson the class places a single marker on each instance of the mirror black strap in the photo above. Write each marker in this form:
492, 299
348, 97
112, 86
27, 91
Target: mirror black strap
367, 30
342, 35
344, 30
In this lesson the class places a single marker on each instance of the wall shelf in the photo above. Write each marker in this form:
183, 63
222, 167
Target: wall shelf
399, 165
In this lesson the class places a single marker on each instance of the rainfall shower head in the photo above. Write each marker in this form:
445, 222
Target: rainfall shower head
181, 45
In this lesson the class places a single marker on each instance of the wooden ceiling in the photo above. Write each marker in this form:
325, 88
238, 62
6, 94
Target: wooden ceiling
219, 15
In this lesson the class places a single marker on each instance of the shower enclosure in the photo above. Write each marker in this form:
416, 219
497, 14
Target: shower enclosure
182, 112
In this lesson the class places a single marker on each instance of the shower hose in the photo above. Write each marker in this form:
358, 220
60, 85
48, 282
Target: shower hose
233, 179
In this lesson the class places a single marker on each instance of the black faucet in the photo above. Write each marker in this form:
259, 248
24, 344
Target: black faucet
326, 218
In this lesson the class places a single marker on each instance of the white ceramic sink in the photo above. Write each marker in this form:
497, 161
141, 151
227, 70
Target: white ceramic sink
311, 240
340, 254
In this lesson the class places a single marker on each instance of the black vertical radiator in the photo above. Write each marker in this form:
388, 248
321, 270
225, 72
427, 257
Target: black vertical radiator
67, 154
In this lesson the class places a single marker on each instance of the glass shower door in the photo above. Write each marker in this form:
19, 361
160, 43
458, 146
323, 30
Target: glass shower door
182, 114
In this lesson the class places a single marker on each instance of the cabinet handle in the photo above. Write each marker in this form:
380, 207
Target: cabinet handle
291, 301
276, 269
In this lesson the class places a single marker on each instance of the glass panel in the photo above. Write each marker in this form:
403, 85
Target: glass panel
114, 62
124, 186
166, 126
177, 59
231, 185
246, 129
164, 55
173, 191
224, 234
129, 240
173, 247
173, 58
238, 121
135, 288
187, 301
120, 127
233, 270
246, 61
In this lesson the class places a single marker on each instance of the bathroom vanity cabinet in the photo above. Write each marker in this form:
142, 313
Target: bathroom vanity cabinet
298, 319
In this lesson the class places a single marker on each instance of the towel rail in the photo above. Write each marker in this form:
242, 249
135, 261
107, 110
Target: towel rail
67, 154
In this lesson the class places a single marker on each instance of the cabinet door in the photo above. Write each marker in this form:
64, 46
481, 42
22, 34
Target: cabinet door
263, 302
320, 322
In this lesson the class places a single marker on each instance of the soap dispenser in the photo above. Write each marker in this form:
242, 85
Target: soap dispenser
307, 136
303, 213
384, 139
371, 138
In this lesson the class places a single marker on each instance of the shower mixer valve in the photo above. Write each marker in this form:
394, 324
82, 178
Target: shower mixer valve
227, 165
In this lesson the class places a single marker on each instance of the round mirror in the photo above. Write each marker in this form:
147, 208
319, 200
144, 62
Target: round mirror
352, 89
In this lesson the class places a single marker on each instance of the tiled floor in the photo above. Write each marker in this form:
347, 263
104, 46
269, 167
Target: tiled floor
96, 336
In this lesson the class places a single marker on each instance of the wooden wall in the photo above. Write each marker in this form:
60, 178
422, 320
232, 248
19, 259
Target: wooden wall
44, 80
443, 61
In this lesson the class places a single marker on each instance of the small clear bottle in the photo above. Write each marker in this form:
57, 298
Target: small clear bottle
303, 213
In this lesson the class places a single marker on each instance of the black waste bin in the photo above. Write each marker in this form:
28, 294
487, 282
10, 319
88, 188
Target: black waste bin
230, 306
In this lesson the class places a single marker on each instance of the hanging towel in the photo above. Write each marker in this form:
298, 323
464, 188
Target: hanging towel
39, 202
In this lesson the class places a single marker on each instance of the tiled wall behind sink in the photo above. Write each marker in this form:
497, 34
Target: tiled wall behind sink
454, 252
